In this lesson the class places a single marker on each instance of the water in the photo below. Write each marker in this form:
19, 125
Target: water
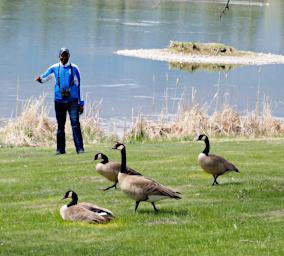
32, 32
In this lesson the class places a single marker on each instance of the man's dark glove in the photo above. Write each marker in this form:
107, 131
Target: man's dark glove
81, 110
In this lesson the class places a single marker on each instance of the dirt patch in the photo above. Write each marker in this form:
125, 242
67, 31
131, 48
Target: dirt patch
210, 49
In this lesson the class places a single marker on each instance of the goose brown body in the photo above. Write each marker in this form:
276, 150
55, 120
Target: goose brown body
85, 212
213, 164
141, 188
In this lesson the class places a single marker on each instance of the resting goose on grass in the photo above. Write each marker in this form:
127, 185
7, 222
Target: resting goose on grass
85, 212
213, 164
110, 169
141, 188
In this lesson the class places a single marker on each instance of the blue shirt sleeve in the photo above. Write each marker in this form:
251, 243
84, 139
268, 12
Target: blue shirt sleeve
77, 81
47, 75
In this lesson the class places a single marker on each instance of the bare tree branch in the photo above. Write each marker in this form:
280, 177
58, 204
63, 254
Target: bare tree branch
227, 7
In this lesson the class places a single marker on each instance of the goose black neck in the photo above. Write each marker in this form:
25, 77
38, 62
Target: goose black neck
104, 159
207, 146
74, 200
123, 161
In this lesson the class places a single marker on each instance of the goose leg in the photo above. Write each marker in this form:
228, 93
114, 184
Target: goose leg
113, 186
156, 210
136, 206
215, 180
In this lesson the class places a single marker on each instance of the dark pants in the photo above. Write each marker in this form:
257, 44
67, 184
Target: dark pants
61, 110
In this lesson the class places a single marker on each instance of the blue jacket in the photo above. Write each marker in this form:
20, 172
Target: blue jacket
66, 80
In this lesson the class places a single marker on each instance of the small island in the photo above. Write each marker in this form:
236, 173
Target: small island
204, 53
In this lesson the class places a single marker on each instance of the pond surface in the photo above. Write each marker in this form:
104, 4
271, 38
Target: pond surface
32, 32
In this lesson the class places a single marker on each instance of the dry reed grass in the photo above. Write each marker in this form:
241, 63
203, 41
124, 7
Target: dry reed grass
195, 120
34, 127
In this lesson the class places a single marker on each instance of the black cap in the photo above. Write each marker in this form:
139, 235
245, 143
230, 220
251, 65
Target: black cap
62, 50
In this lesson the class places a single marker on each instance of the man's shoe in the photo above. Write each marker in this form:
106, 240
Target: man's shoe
58, 152
80, 151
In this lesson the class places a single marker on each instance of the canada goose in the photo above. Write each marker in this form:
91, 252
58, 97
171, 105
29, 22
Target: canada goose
215, 165
110, 169
84, 211
141, 188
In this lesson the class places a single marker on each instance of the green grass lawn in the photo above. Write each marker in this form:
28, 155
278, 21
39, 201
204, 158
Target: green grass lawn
244, 215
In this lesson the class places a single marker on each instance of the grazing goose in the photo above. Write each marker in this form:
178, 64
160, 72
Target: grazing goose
84, 211
215, 165
141, 188
110, 169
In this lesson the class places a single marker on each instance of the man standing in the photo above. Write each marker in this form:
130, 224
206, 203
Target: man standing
67, 99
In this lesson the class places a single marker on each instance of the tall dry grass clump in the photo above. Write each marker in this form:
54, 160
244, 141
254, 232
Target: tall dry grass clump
226, 122
263, 124
195, 120
188, 121
32, 128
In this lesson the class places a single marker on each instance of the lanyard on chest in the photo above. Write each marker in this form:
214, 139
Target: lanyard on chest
70, 79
